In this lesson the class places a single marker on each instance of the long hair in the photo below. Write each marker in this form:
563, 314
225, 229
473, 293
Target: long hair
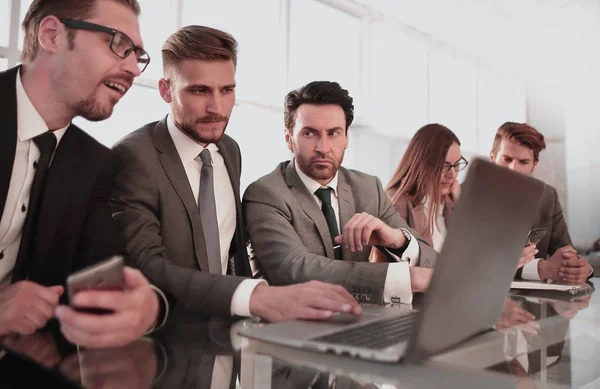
418, 174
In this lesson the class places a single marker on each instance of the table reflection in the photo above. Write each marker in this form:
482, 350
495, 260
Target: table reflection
539, 339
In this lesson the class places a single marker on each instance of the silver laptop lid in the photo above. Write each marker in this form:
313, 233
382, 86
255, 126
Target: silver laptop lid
473, 272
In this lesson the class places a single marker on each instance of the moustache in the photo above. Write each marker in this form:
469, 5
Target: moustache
125, 78
212, 119
320, 156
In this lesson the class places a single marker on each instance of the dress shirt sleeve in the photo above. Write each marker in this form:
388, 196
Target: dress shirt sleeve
240, 303
530, 270
397, 288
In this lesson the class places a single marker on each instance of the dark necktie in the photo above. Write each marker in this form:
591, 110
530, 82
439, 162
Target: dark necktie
46, 143
324, 194
208, 214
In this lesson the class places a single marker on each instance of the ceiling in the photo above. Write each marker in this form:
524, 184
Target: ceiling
537, 38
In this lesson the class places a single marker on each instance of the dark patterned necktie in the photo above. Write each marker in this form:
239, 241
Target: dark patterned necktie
324, 194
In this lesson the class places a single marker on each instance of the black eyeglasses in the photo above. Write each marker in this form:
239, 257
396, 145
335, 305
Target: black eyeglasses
120, 43
458, 166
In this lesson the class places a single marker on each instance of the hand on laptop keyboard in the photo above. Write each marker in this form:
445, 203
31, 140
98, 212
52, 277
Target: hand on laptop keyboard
310, 300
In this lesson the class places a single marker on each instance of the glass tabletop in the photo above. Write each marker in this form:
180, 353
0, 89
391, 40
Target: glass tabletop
541, 339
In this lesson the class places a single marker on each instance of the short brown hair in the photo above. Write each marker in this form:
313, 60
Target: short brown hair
317, 93
520, 133
199, 42
69, 9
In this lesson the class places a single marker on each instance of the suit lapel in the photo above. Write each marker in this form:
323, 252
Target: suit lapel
8, 131
347, 208
418, 220
171, 163
309, 206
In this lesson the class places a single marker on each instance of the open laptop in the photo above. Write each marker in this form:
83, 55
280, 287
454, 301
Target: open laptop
486, 234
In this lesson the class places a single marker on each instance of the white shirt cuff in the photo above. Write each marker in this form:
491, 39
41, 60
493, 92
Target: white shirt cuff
530, 270
158, 325
411, 254
397, 287
240, 302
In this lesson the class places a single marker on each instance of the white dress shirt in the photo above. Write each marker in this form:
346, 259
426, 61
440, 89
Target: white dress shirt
29, 125
438, 229
397, 281
225, 202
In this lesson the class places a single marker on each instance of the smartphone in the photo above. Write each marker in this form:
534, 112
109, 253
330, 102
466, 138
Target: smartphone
106, 275
536, 235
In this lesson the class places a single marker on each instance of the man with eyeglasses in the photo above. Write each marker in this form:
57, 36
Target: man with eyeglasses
79, 58
517, 147
312, 219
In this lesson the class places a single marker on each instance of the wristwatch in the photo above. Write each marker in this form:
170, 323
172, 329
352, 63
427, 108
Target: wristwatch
408, 237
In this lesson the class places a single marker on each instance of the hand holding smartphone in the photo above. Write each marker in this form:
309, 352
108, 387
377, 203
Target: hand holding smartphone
106, 275
536, 235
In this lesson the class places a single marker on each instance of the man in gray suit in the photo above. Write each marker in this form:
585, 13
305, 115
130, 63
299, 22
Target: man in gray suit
176, 196
311, 219
517, 146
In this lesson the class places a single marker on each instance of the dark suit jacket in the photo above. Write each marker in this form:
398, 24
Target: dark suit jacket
550, 216
75, 227
291, 240
155, 208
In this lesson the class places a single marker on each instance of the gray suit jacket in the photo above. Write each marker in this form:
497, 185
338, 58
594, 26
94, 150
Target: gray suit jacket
550, 216
291, 240
154, 206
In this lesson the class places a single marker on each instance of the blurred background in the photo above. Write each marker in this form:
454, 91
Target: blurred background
468, 64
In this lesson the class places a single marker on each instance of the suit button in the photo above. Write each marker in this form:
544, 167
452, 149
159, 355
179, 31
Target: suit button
23, 208
1, 254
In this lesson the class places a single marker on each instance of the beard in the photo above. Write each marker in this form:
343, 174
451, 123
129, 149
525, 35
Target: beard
207, 129
91, 110
317, 171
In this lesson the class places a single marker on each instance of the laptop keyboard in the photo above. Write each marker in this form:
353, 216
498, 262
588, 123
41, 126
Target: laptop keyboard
375, 335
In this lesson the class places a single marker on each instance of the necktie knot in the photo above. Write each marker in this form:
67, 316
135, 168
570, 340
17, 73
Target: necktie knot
324, 194
206, 157
46, 142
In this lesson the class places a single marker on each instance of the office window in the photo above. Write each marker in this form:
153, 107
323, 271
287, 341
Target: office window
500, 100
452, 96
24, 7
140, 106
3, 63
157, 22
261, 137
324, 45
398, 103
256, 25
4, 21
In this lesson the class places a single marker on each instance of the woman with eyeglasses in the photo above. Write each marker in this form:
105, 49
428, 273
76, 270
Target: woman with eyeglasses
424, 187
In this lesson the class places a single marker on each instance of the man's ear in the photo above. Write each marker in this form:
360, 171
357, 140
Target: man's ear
50, 33
289, 140
165, 90
492, 156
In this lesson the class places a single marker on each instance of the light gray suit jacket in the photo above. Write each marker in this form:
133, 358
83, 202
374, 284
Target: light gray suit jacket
291, 240
154, 206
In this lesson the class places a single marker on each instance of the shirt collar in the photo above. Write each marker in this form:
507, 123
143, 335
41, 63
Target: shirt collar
313, 185
187, 148
29, 122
